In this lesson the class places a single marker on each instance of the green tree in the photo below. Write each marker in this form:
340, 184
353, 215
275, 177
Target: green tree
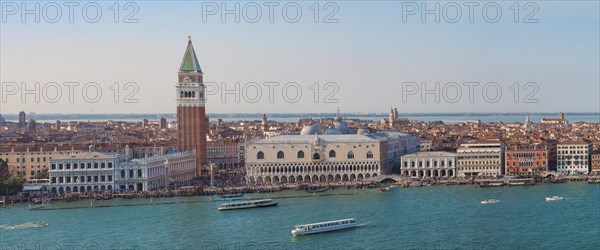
9, 184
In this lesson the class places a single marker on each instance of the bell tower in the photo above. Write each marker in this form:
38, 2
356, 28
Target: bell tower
191, 114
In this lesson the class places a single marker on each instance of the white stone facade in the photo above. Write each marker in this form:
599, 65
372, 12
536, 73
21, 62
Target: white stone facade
574, 157
429, 164
155, 172
84, 172
314, 158
98, 172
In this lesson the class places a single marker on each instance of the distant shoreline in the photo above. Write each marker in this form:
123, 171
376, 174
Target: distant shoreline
258, 116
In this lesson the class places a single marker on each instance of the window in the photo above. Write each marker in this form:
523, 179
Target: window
139, 173
350, 155
110, 165
316, 156
122, 173
300, 154
332, 153
260, 155
369, 155
280, 155
53, 166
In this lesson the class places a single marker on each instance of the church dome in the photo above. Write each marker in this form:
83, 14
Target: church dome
310, 130
342, 127
332, 131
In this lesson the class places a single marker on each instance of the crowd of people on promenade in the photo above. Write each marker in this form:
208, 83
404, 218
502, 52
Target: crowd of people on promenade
229, 181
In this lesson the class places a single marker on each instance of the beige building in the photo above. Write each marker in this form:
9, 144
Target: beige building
485, 157
33, 162
315, 158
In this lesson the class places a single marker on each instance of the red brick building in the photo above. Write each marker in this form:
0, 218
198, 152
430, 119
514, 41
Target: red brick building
596, 163
191, 115
523, 159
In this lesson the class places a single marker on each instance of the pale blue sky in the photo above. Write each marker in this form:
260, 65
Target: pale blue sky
369, 53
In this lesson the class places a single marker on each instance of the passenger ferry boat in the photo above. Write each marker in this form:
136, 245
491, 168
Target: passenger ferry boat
248, 204
322, 227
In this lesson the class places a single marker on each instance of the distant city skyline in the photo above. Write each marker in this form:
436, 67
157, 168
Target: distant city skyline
367, 56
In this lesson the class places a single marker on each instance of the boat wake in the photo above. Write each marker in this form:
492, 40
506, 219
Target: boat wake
24, 225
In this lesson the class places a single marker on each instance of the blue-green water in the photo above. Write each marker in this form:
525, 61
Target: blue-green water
438, 217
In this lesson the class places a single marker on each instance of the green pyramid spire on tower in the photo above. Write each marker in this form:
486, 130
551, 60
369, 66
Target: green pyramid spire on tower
190, 61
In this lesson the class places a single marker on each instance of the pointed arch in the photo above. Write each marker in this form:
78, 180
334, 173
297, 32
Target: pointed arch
316, 156
332, 153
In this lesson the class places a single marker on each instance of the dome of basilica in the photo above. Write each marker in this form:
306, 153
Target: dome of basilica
310, 130
333, 131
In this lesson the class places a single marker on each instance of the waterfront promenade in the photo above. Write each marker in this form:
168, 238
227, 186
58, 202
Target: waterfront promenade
199, 188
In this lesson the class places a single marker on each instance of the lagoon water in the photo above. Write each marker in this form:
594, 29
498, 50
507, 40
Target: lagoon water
437, 217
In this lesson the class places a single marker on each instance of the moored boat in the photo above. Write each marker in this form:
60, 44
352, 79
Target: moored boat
521, 182
231, 195
248, 204
593, 181
316, 189
490, 184
554, 198
322, 227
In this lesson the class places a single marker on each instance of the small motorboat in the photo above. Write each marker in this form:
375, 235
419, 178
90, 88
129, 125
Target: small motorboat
490, 201
554, 198
383, 190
